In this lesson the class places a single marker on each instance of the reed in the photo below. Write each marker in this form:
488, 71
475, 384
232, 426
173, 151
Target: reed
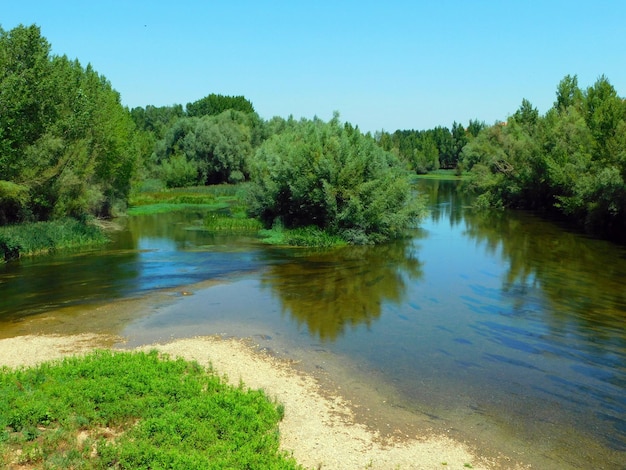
45, 237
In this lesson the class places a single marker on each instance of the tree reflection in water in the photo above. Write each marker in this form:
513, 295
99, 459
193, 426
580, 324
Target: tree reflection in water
329, 291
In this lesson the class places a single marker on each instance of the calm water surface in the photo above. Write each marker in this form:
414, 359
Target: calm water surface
498, 325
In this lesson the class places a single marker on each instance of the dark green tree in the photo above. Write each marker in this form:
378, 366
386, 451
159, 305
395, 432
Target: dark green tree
571, 160
214, 104
216, 148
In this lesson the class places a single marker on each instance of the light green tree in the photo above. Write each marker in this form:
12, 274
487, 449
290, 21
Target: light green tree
333, 177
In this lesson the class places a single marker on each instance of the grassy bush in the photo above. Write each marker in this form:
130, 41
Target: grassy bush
310, 236
45, 237
134, 410
214, 197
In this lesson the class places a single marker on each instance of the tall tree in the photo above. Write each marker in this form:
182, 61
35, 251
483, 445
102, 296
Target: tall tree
65, 139
215, 104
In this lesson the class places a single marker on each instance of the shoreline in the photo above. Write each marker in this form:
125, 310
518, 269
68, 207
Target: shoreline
320, 427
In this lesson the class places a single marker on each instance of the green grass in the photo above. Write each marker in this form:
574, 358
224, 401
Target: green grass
212, 198
171, 207
306, 236
442, 175
223, 223
45, 237
134, 411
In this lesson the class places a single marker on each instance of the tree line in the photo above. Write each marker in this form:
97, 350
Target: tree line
571, 161
428, 150
69, 148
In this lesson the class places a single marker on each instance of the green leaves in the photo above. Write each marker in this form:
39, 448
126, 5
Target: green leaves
63, 132
572, 159
136, 410
332, 177
217, 148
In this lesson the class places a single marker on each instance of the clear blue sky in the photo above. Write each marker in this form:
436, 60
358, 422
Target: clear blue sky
383, 65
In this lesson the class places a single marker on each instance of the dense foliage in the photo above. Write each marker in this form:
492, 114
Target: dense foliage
571, 160
207, 149
67, 146
333, 177
428, 150
134, 410
214, 104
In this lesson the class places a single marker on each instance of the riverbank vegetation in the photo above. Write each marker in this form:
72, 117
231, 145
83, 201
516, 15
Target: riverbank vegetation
68, 148
134, 410
571, 161
36, 238
154, 198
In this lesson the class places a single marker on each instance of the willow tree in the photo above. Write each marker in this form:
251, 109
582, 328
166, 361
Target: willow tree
333, 177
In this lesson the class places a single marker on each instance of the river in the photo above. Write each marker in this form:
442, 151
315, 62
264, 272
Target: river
498, 327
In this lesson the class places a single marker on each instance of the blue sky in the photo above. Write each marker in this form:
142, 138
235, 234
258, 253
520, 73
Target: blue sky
383, 65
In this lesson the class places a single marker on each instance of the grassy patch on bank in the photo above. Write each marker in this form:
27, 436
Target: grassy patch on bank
134, 410
224, 223
211, 198
45, 237
442, 175
311, 236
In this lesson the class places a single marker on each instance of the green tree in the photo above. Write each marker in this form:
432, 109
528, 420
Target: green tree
214, 104
333, 177
24, 94
65, 138
218, 146
568, 94
572, 159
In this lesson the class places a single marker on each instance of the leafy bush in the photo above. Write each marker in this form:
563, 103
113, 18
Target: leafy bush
44, 237
332, 177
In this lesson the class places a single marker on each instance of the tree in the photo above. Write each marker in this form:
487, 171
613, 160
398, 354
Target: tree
24, 95
214, 104
65, 139
219, 148
567, 93
571, 160
333, 177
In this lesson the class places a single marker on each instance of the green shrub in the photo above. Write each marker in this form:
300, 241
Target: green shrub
45, 237
332, 177
134, 410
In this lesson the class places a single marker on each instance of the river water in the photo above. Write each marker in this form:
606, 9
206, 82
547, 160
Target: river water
498, 327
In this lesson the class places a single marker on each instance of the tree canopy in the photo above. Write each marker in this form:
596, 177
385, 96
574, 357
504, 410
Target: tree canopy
333, 177
215, 104
571, 160
66, 143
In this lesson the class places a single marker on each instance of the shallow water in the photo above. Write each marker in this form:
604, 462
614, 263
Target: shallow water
499, 326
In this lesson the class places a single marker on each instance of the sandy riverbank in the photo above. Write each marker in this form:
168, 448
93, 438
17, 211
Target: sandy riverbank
320, 429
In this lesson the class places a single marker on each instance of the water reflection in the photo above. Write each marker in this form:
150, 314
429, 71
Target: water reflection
577, 275
146, 253
445, 200
330, 291
557, 317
